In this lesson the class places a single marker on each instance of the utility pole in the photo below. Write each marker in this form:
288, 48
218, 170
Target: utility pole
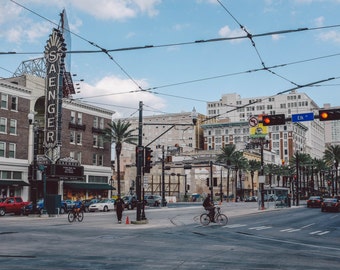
140, 152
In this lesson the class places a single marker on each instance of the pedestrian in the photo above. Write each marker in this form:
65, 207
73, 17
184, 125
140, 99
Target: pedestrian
119, 206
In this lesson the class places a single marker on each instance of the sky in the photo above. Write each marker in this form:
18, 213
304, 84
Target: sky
174, 55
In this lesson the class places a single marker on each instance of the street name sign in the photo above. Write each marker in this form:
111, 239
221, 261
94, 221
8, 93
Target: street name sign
302, 117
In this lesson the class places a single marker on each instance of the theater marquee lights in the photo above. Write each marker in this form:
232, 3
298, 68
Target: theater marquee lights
54, 54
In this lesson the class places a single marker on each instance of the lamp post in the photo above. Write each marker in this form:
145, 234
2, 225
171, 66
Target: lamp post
32, 153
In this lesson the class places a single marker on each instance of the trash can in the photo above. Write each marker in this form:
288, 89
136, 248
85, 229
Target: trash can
53, 204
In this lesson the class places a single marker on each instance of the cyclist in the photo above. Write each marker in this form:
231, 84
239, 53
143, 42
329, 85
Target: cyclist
208, 205
78, 205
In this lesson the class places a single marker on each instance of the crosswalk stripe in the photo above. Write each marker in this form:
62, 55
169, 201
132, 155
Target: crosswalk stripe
234, 226
260, 228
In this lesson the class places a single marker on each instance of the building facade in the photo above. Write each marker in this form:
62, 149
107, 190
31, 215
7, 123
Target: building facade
236, 109
21, 143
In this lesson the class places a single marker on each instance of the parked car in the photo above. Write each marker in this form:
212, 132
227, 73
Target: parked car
251, 199
103, 205
130, 201
154, 200
69, 205
28, 209
314, 201
88, 202
330, 204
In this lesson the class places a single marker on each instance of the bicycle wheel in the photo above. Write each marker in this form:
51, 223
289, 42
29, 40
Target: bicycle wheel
205, 219
80, 216
221, 219
70, 216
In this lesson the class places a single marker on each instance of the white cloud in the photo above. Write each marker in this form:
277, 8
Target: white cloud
120, 95
319, 21
330, 36
227, 32
117, 9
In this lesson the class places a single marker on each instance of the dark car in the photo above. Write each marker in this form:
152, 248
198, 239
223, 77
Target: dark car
154, 200
130, 202
88, 202
330, 204
251, 199
314, 201
28, 209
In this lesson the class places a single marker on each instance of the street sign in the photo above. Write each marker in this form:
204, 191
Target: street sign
302, 117
253, 121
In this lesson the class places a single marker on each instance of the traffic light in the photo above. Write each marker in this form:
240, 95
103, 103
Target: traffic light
147, 159
328, 115
273, 120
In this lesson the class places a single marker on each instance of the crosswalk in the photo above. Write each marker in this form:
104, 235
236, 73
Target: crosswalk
286, 230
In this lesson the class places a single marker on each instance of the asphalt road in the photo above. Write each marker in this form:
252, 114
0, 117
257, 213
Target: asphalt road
295, 238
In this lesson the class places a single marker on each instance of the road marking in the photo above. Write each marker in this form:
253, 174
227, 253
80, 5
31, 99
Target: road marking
319, 232
260, 228
234, 226
307, 225
290, 230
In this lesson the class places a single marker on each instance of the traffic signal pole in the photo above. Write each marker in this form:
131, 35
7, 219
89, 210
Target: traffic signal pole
140, 152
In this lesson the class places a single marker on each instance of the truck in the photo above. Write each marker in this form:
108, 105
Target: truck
12, 205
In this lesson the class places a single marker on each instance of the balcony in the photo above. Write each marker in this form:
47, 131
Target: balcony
76, 126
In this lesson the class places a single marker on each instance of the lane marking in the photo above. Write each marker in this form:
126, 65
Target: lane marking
234, 226
260, 228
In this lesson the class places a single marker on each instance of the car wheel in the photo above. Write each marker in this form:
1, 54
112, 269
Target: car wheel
105, 209
2, 212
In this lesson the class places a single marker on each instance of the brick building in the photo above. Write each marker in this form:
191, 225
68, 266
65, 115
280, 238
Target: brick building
82, 142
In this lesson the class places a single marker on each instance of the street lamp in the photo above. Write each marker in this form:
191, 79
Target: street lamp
32, 153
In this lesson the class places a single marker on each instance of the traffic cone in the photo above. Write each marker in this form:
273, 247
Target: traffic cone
127, 221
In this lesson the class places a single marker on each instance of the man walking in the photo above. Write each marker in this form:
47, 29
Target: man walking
119, 206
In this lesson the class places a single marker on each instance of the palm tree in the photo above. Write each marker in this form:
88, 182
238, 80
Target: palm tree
241, 163
332, 157
119, 133
226, 157
254, 165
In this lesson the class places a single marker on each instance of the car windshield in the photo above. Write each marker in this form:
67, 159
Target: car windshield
314, 198
330, 200
104, 201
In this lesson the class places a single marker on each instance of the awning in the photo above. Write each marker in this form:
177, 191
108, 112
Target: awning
13, 183
92, 186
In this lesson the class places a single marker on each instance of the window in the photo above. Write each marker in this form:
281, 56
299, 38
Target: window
11, 151
2, 149
95, 122
79, 138
3, 125
73, 117
4, 101
94, 159
78, 157
80, 119
13, 127
100, 141
95, 141
100, 160
101, 123
14, 104
72, 137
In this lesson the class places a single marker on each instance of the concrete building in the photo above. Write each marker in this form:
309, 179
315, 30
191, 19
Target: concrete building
233, 108
81, 142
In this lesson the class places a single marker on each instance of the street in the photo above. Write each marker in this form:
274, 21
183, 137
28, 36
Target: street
294, 238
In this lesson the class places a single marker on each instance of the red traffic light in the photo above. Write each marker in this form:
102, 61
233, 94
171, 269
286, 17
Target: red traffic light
272, 120
328, 115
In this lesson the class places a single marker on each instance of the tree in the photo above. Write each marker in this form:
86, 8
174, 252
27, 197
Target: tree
119, 133
226, 157
332, 157
254, 165
241, 163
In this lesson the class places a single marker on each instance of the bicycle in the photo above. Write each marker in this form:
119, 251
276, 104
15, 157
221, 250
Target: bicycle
220, 219
75, 214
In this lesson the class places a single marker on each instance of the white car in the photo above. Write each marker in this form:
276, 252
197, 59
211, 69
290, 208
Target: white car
103, 205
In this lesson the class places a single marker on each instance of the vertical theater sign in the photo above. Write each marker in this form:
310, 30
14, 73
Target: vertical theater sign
54, 56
